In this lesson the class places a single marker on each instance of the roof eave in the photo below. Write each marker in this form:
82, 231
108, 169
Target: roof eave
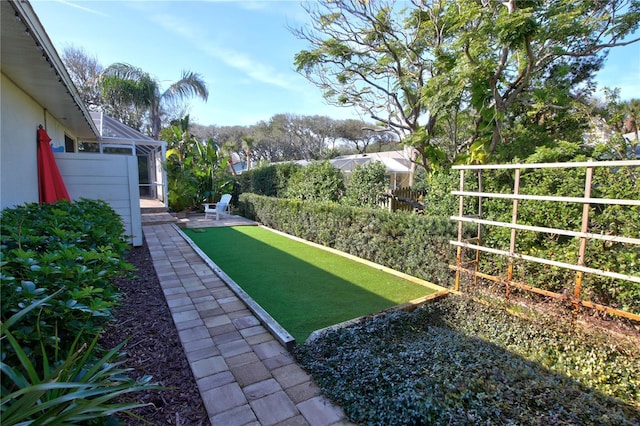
47, 81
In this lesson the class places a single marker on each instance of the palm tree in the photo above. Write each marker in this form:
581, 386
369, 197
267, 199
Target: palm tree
247, 144
127, 87
229, 148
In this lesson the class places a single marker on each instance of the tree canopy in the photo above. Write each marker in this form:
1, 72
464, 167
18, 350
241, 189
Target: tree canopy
453, 77
130, 93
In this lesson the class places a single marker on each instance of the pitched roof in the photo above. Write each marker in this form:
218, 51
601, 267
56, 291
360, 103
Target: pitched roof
110, 128
394, 161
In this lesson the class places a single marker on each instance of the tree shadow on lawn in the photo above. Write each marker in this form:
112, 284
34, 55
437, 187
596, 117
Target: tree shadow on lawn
302, 287
418, 369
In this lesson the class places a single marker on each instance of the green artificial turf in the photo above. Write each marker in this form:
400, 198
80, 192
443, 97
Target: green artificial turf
302, 287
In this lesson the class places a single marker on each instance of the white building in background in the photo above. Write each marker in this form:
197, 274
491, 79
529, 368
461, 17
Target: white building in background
397, 164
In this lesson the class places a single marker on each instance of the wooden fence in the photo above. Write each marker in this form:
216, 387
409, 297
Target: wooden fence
403, 199
476, 243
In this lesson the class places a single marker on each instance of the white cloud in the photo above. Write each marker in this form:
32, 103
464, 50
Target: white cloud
86, 9
254, 69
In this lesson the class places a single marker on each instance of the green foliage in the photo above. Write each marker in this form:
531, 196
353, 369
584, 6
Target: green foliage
271, 180
196, 171
75, 249
365, 185
481, 80
78, 389
414, 244
457, 361
437, 186
318, 181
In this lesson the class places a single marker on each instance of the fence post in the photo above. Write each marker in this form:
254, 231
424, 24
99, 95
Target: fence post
514, 220
459, 250
478, 228
583, 240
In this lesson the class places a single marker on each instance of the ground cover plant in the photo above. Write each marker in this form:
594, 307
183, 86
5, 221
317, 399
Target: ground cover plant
74, 249
302, 287
457, 361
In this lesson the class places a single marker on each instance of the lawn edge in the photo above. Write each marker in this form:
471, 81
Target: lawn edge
279, 332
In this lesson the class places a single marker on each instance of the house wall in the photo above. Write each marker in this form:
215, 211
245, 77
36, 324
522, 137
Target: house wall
20, 116
109, 177
19, 119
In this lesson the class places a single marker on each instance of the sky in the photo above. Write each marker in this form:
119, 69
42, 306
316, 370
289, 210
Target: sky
244, 51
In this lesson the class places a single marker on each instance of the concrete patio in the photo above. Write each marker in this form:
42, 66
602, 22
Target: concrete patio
245, 376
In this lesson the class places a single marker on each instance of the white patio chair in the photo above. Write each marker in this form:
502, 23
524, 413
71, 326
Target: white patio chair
221, 207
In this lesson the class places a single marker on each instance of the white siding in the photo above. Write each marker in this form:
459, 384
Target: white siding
109, 177
20, 118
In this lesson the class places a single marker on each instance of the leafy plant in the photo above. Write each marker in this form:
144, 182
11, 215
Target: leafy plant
365, 185
75, 390
74, 249
318, 181
196, 171
458, 361
271, 180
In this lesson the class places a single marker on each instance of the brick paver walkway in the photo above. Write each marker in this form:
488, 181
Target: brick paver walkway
244, 374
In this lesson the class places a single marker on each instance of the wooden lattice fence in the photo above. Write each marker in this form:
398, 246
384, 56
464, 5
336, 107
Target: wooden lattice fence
469, 264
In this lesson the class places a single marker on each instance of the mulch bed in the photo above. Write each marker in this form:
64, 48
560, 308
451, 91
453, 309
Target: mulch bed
154, 349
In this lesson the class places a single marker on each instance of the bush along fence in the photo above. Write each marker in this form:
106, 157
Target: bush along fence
564, 230
414, 244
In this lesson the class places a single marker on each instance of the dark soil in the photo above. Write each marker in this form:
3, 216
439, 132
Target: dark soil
154, 349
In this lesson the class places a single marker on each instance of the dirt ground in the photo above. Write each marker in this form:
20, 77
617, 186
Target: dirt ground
154, 348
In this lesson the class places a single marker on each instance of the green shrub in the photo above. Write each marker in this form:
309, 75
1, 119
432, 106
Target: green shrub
365, 185
77, 389
75, 249
272, 180
318, 181
413, 244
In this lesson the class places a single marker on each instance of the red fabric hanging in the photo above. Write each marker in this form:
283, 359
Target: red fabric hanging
50, 184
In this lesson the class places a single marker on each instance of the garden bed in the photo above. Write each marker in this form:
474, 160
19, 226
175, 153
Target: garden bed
457, 361
153, 348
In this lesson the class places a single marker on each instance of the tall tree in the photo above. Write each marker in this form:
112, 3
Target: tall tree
247, 146
364, 54
85, 72
537, 54
361, 135
124, 85
485, 63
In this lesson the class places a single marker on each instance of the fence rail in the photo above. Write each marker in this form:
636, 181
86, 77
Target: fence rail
583, 235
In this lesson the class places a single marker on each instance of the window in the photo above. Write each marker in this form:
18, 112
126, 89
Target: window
126, 150
88, 147
69, 144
